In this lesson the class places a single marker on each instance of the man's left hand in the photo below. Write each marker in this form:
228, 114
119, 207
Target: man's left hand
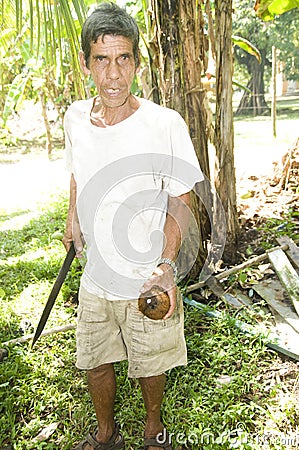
163, 278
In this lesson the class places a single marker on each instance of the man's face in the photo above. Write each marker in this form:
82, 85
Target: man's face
112, 67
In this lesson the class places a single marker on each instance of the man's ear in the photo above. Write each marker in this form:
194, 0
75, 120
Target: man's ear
83, 65
137, 63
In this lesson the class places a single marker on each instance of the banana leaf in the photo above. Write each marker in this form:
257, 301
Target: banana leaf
268, 9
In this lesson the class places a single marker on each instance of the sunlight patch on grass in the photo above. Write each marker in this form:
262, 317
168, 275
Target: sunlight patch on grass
43, 254
17, 222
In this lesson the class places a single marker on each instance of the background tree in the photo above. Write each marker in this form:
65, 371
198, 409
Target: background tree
44, 39
281, 32
225, 179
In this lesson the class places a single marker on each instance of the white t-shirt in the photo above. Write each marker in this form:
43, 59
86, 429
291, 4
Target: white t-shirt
124, 174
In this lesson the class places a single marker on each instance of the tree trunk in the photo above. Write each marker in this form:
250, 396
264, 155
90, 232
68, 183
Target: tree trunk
225, 181
49, 145
254, 102
193, 56
179, 43
165, 52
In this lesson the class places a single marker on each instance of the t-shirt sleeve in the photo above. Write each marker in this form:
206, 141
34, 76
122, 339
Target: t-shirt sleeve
185, 170
68, 154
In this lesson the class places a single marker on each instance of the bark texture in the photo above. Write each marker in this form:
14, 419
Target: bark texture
225, 179
49, 145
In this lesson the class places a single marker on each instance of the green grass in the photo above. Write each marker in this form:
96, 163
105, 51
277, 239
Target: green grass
41, 387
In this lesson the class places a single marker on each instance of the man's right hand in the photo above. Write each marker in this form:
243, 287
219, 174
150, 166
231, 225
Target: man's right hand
77, 237
72, 230
73, 234
67, 241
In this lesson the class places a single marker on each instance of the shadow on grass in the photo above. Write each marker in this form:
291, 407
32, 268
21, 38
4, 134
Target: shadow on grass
36, 234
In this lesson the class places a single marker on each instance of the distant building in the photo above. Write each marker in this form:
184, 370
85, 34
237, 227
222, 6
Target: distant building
284, 86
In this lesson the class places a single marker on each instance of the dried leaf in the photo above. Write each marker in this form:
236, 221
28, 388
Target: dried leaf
223, 379
46, 432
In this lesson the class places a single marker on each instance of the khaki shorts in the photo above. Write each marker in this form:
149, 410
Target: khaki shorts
111, 331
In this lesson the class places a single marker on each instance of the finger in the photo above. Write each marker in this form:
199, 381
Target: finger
150, 282
78, 246
172, 297
67, 242
146, 287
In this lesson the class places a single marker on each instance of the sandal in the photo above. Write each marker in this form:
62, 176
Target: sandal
115, 442
162, 440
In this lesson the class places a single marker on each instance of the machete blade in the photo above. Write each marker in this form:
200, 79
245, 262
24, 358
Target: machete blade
54, 292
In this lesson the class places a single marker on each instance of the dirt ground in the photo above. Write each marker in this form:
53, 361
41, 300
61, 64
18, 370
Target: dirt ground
27, 176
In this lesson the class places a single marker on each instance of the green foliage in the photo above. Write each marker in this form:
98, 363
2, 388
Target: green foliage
281, 32
268, 9
247, 46
274, 228
44, 39
14, 96
30, 261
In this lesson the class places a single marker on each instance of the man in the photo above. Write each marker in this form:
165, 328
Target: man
132, 168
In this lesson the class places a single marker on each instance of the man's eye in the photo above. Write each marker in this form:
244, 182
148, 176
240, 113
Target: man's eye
124, 58
100, 58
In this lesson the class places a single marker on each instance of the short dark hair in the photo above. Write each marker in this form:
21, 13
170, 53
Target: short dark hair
109, 18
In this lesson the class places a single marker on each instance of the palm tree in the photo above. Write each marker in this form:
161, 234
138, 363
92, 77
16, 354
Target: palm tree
41, 39
52, 28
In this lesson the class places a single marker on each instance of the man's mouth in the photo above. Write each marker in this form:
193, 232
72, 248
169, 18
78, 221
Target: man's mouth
113, 91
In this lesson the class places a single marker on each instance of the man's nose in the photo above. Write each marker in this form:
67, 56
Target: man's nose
113, 70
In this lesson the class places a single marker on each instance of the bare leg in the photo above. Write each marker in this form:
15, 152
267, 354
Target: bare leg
152, 391
102, 388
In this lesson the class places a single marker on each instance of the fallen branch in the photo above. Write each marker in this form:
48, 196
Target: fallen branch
232, 270
27, 337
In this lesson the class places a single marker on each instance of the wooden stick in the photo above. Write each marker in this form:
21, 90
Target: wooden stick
27, 337
232, 270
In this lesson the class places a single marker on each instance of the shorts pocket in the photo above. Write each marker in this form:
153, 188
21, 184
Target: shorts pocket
155, 337
153, 326
92, 313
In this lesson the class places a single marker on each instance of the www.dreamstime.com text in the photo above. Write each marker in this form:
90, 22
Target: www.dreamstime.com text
235, 438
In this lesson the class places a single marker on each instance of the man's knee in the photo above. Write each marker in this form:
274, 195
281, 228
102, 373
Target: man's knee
103, 369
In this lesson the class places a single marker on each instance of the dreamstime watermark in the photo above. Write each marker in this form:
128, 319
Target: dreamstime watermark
235, 438
122, 211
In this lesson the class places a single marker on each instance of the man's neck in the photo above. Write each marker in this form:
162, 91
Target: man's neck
104, 116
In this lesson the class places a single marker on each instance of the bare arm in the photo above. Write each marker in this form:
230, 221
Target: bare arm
72, 229
176, 224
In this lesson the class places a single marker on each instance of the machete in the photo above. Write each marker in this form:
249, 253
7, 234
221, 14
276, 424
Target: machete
54, 292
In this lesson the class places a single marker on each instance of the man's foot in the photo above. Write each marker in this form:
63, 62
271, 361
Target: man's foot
93, 442
158, 441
